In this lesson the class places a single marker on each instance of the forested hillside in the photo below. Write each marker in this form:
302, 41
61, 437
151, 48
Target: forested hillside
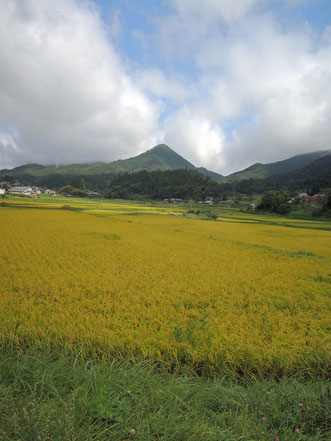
184, 184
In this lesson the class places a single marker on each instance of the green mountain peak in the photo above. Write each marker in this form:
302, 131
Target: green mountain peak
161, 157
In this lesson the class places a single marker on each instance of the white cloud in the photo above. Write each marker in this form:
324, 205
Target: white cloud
210, 10
9, 150
254, 89
291, 121
184, 32
64, 87
162, 84
267, 80
197, 139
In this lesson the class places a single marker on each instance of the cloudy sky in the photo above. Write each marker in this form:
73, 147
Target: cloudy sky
224, 83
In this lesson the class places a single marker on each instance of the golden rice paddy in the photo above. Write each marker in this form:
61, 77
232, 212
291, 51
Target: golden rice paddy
244, 298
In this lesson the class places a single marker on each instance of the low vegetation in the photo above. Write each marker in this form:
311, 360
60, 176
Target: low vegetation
60, 398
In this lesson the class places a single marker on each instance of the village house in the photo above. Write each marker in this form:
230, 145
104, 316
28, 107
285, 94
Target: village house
318, 200
93, 194
306, 199
207, 201
20, 190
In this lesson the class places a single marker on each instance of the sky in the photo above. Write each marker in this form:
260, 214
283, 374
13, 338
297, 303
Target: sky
224, 83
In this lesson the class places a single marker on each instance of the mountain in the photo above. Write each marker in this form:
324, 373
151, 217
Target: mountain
312, 178
262, 171
160, 157
311, 170
318, 171
210, 174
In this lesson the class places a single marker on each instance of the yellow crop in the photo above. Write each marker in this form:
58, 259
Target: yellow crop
242, 298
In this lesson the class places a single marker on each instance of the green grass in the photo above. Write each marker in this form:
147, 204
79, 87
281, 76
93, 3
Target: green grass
48, 397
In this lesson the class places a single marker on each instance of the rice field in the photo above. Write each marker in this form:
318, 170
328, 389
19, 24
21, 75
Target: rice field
238, 296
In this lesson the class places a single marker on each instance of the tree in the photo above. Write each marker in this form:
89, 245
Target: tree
275, 201
8, 178
79, 193
327, 193
82, 184
67, 189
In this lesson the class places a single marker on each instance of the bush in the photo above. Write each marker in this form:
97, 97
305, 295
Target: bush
283, 208
212, 216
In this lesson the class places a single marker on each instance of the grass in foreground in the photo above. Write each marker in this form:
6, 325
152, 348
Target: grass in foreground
48, 397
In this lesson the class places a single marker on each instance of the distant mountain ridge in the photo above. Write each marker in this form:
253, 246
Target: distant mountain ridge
320, 170
310, 169
313, 178
263, 171
160, 157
